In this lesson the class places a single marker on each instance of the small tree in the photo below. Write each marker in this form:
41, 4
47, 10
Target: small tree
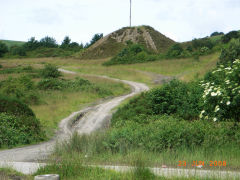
32, 44
66, 42
48, 42
3, 49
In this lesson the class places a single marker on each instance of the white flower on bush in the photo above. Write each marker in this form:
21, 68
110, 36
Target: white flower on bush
220, 92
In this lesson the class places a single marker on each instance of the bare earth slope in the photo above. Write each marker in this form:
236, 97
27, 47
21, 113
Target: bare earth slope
111, 44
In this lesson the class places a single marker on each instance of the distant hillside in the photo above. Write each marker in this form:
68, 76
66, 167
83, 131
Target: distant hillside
111, 44
10, 43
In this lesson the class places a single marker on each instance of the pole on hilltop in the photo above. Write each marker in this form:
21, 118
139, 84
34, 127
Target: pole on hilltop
130, 13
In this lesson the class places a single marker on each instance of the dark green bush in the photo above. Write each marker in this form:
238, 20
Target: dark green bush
216, 34
204, 42
51, 84
50, 71
14, 106
22, 88
233, 34
230, 53
175, 51
133, 53
177, 98
3, 48
18, 50
16, 130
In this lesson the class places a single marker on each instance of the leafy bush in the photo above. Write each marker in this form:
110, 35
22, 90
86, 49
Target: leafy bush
18, 130
133, 53
50, 71
230, 53
216, 34
177, 98
14, 106
175, 51
233, 34
204, 42
3, 49
22, 88
222, 94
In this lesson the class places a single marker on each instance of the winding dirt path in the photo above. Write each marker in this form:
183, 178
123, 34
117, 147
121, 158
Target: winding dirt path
92, 118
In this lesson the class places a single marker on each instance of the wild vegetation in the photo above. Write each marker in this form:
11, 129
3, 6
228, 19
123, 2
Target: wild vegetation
32, 87
178, 121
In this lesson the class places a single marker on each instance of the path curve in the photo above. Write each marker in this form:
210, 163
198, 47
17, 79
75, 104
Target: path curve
92, 118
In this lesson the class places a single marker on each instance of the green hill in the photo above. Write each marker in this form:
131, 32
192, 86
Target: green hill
111, 44
11, 43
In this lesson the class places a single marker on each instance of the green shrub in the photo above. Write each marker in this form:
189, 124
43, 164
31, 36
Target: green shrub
175, 51
3, 49
50, 71
177, 98
204, 42
230, 53
22, 88
14, 106
231, 35
1, 66
16, 130
51, 84
18, 50
133, 53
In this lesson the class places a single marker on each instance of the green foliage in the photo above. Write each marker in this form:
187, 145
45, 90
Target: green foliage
48, 42
177, 98
230, 53
16, 130
1, 66
18, 50
221, 98
169, 133
3, 49
18, 124
175, 51
204, 42
32, 44
233, 34
14, 106
50, 71
22, 88
133, 53
216, 34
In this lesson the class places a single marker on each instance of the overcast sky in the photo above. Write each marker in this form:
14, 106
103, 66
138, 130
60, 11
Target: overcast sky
181, 20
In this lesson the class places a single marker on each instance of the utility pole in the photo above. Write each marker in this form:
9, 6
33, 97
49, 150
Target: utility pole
130, 13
